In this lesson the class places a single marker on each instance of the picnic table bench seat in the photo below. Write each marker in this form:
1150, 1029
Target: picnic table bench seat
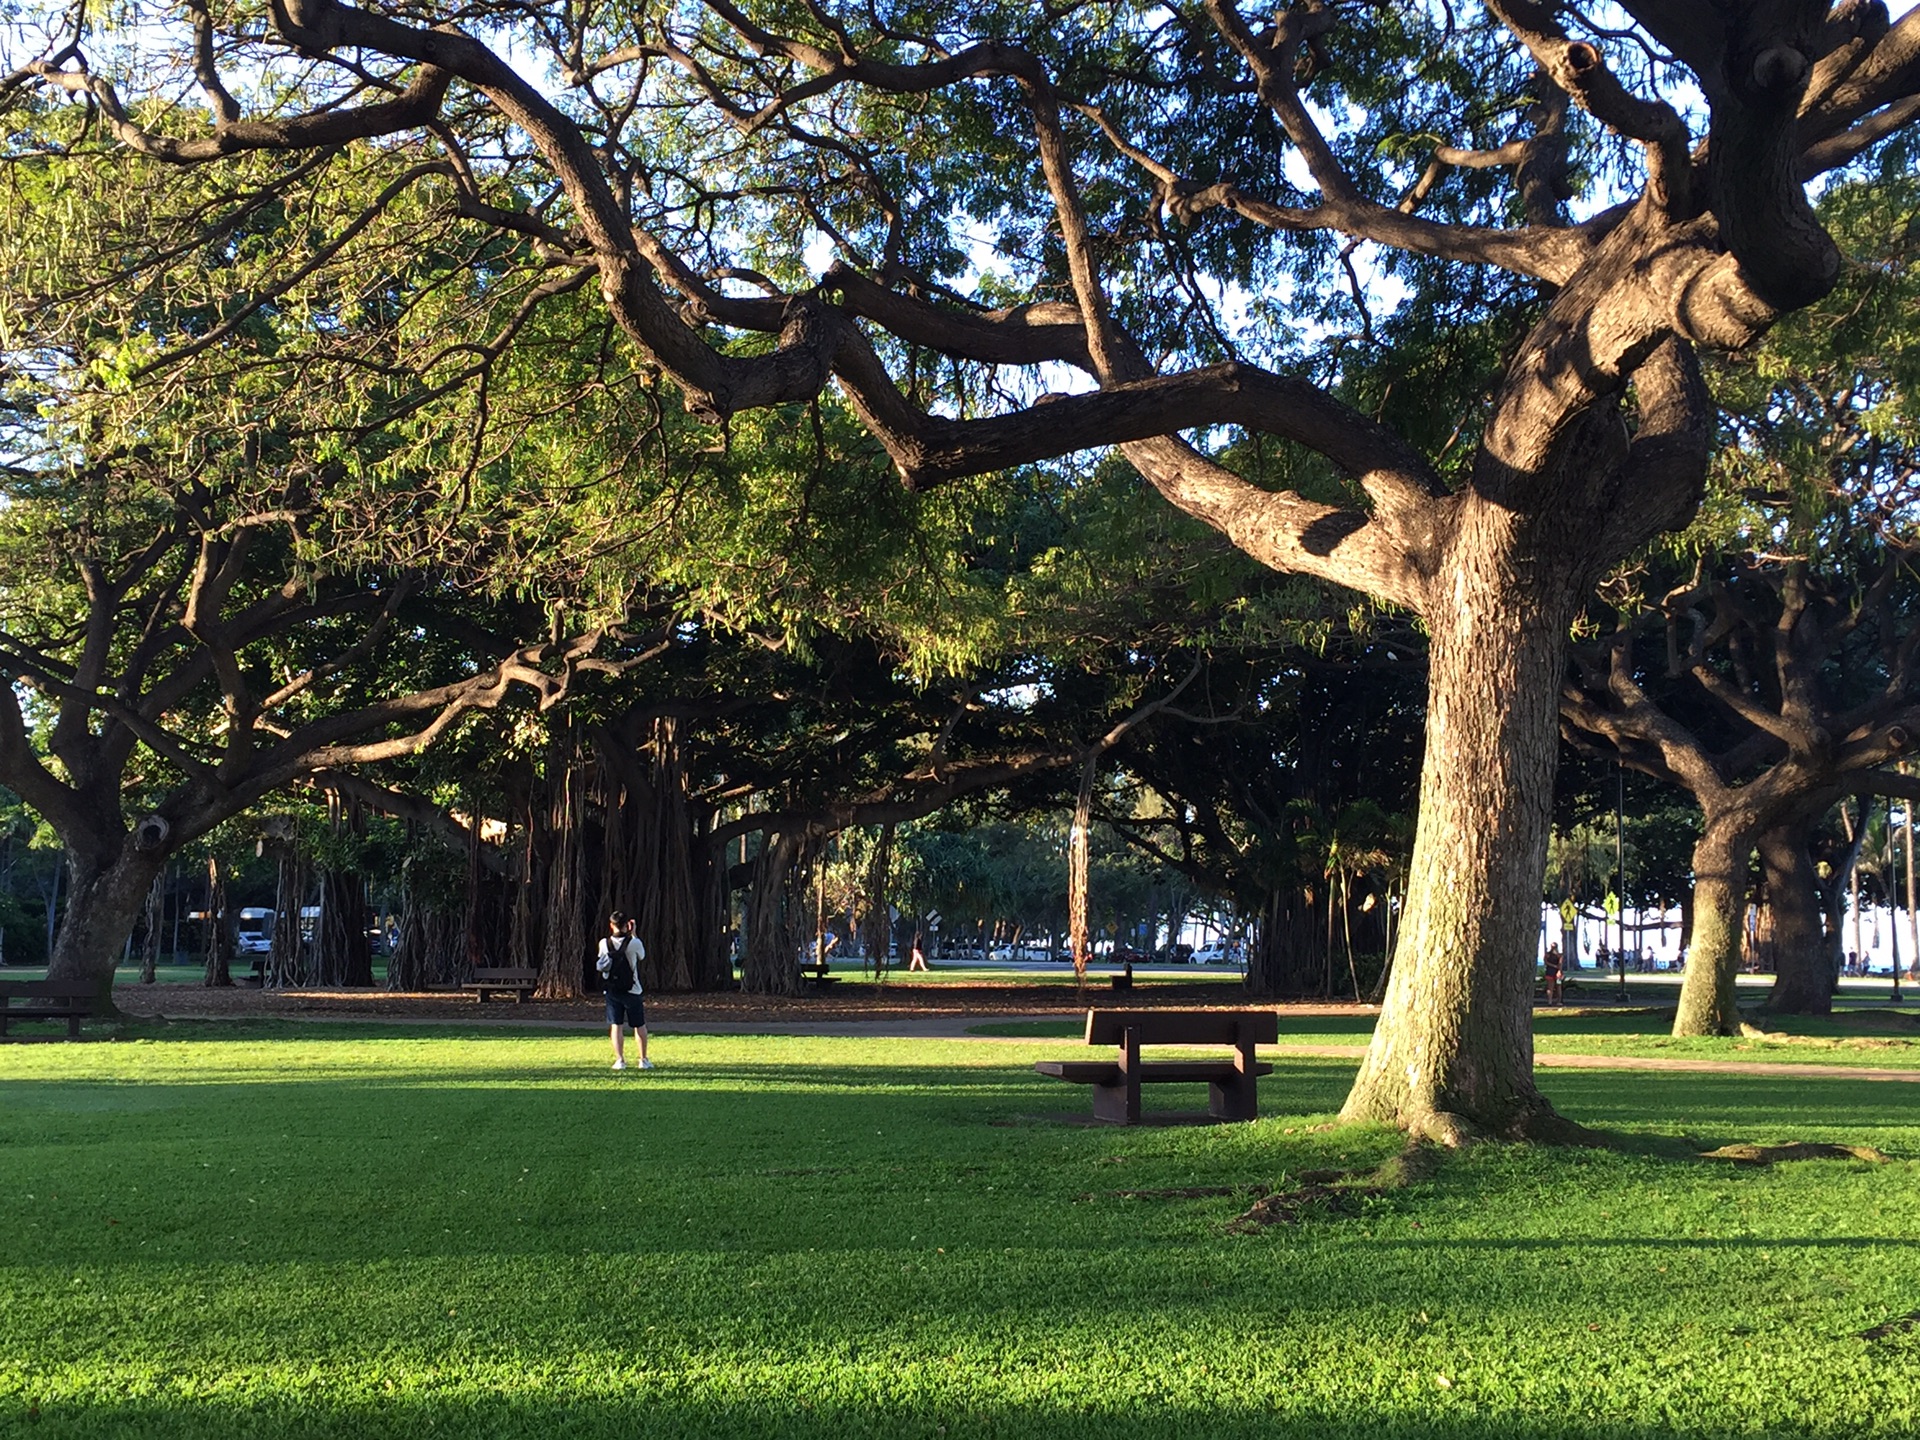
1231, 1090
503, 979
47, 1000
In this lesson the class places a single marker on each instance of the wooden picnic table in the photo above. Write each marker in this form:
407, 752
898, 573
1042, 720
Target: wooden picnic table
1231, 1092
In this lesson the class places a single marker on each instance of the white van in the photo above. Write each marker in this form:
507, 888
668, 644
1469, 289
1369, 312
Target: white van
254, 935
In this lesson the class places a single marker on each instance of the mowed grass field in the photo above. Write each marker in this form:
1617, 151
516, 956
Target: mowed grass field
335, 1230
1871, 1038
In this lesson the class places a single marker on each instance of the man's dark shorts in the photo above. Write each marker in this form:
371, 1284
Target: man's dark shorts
627, 1010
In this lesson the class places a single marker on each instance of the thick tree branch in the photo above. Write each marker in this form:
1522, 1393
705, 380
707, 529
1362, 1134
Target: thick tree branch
928, 793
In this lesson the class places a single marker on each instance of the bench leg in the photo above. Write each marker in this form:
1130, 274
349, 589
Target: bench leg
1117, 1104
1234, 1099
73, 1027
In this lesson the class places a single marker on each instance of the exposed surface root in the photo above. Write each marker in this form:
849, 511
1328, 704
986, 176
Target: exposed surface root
1748, 1154
1338, 1192
1443, 1127
1887, 1329
1547, 1126
1290, 1207
1409, 1167
1538, 1122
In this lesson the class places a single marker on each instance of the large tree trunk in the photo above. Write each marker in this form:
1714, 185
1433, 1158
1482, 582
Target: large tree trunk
659, 866
341, 953
220, 928
104, 900
776, 914
1720, 864
428, 952
559, 936
289, 950
1803, 976
150, 928
1452, 1053
1288, 959
879, 919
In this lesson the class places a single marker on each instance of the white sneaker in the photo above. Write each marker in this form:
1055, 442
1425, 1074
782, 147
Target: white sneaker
621, 1064
646, 1064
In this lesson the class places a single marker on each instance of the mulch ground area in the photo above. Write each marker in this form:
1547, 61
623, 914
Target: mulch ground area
845, 1002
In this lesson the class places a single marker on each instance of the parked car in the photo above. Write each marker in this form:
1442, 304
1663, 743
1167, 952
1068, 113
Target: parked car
1214, 954
254, 934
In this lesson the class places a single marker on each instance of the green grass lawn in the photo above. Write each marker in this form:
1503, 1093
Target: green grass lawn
298, 1230
1870, 1038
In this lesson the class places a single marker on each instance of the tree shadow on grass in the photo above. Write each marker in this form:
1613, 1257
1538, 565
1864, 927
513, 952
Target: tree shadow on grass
1736, 1105
625, 1410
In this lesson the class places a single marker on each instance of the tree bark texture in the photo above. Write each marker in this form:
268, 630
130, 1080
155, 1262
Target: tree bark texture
563, 935
777, 912
104, 901
342, 955
290, 950
878, 929
1453, 1050
1721, 860
428, 952
1803, 977
1290, 958
1079, 848
659, 864
149, 937
488, 911
219, 971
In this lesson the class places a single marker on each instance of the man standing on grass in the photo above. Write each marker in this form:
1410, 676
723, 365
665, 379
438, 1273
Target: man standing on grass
619, 965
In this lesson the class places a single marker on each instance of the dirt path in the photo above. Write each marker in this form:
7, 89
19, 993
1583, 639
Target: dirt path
855, 1001
917, 1012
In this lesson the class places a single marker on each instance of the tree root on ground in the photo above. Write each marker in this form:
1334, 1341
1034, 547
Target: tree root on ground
1539, 1123
1749, 1154
1338, 1192
1290, 1207
1183, 1192
1887, 1329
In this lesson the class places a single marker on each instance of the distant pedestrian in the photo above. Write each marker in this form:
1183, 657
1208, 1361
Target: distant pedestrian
917, 957
619, 965
1555, 968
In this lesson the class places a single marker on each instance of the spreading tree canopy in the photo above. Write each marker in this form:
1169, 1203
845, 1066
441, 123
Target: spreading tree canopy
1001, 233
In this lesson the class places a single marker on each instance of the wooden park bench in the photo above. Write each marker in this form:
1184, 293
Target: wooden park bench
46, 1000
1116, 1083
503, 979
